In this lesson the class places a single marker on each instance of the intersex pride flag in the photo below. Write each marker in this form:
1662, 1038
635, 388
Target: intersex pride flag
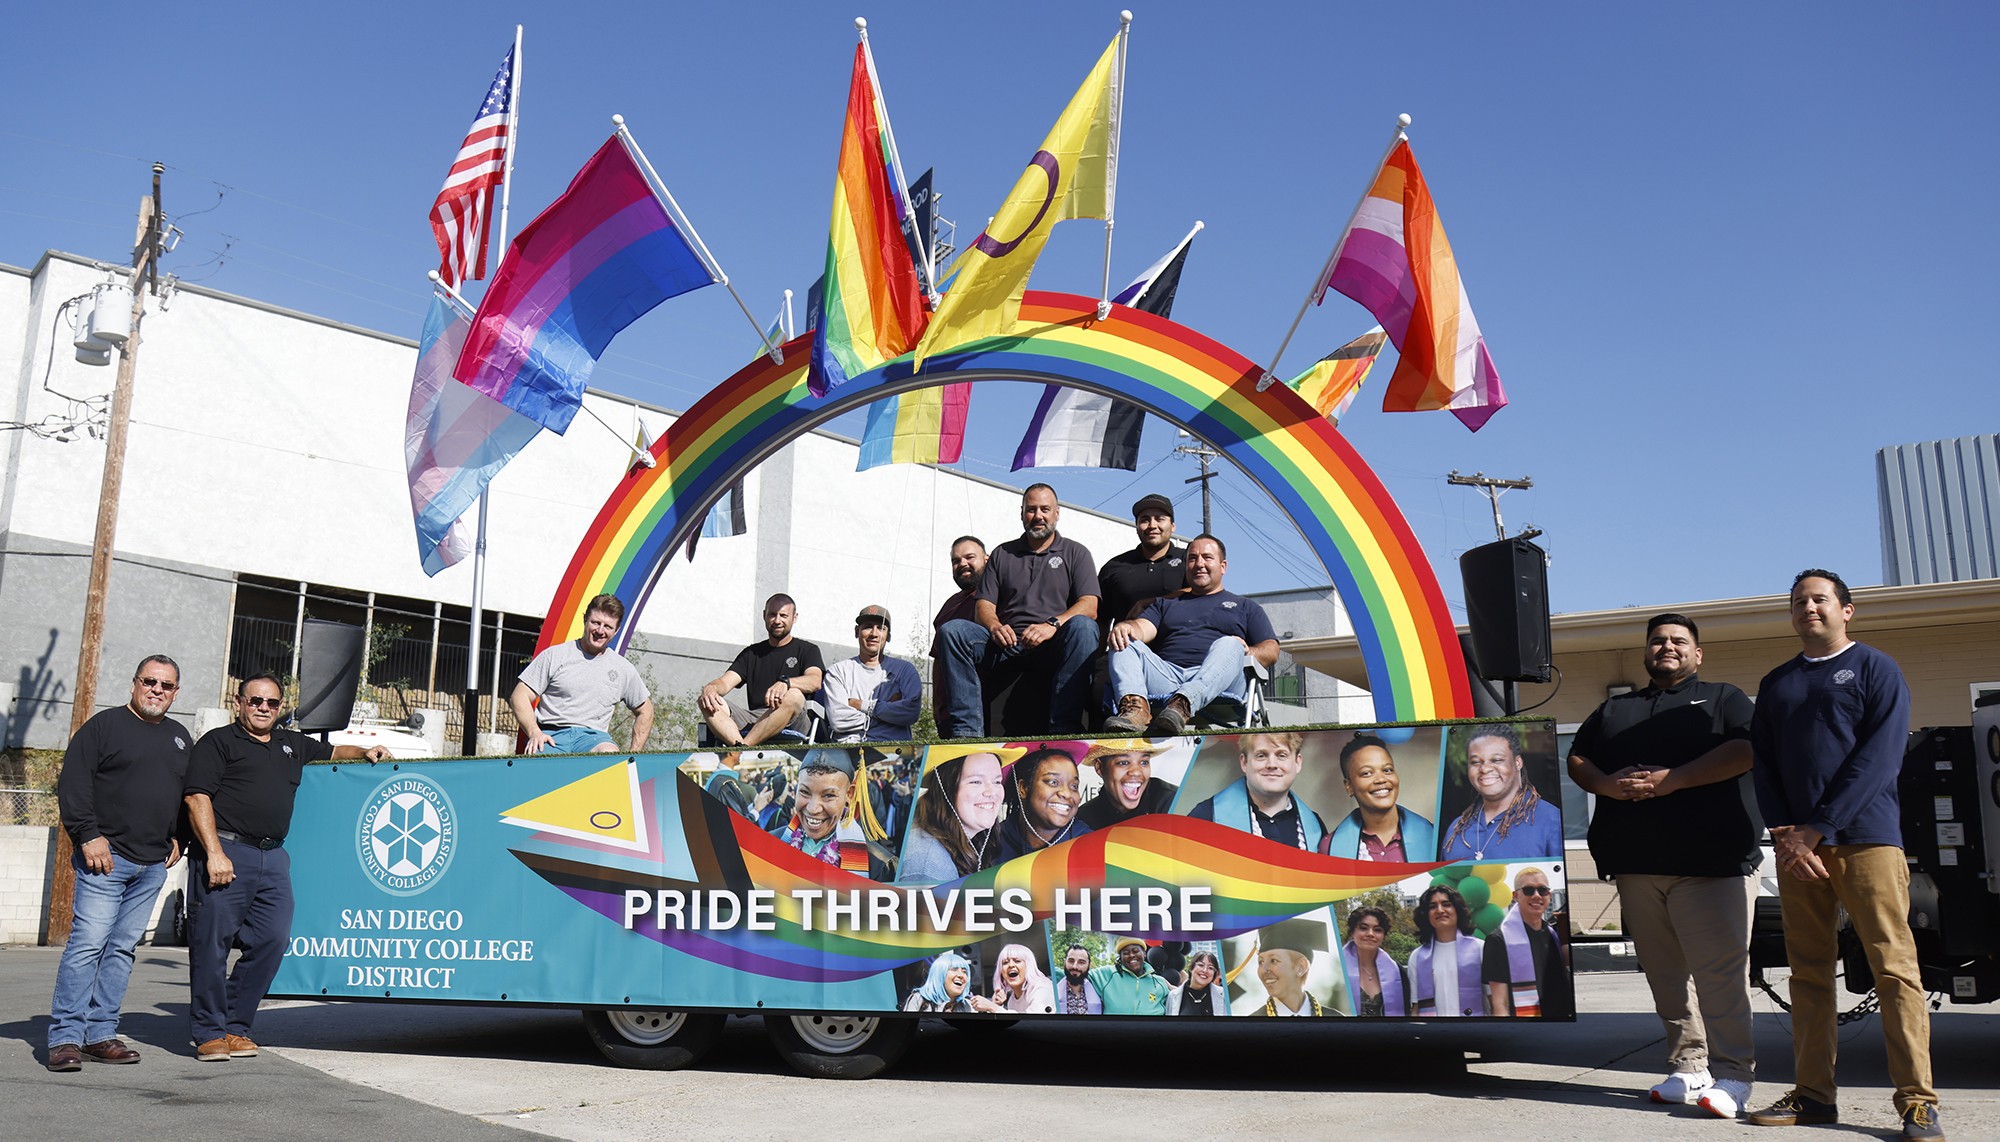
592, 263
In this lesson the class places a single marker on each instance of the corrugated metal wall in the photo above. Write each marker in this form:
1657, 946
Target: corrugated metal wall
1939, 502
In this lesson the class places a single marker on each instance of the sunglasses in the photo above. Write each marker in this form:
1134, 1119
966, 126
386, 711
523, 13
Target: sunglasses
1534, 890
158, 684
263, 703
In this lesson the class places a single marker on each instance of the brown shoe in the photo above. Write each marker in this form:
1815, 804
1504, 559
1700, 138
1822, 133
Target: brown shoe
1133, 714
111, 1051
65, 1057
240, 1047
213, 1051
1172, 720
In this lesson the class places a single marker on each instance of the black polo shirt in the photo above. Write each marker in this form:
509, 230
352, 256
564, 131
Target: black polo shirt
252, 784
1709, 830
1028, 586
1129, 577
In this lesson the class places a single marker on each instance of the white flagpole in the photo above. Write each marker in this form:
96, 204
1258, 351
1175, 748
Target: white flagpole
674, 208
896, 163
469, 730
1271, 374
1199, 226
466, 309
1111, 189
788, 316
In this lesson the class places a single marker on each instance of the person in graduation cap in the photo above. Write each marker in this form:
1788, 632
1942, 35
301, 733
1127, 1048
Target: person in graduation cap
824, 824
1130, 986
1130, 789
1284, 960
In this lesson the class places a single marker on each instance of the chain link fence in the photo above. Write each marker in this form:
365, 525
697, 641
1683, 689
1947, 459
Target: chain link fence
28, 807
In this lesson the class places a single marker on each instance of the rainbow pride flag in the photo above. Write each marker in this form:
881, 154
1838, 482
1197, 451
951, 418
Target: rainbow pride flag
872, 305
1394, 260
1331, 384
597, 259
923, 427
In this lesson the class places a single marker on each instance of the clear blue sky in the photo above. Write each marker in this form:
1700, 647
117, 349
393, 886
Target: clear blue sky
1721, 254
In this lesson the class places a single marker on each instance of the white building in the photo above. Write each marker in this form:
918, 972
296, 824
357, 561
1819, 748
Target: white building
265, 470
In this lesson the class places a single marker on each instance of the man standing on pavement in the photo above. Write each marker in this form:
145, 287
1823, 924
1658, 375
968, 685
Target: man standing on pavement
241, 783
873, 696
1829, 736
1152, 570
776, 674
580, 684
119, 794
1676, 826
1030, 600
968, 564
1201, 638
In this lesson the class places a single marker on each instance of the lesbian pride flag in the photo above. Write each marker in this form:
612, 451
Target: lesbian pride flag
872, 305
593, 262
1395, 261
455, 441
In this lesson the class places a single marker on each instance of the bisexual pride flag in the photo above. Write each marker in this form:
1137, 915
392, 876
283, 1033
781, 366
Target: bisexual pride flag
455, 441
593, 262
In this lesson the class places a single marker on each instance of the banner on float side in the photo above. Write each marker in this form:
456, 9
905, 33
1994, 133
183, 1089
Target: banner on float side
697, 880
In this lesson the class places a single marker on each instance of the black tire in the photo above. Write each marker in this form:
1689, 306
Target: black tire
840, 1046
653, 1040
985, 1026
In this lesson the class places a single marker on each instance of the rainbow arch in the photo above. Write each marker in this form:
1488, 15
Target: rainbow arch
1415, 668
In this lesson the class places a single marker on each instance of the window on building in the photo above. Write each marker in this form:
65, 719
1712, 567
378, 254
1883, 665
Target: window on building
1984, 690
1288, 686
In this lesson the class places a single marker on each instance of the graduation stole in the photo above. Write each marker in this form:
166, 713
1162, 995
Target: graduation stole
1232, 808
1521, 962
1468, 976
1386, 972
1312, 1005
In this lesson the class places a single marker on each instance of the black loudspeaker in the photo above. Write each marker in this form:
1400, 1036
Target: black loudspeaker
329, 672
1507, 609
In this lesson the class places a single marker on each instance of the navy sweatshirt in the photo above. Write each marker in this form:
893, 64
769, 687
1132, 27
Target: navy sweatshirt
1829, 739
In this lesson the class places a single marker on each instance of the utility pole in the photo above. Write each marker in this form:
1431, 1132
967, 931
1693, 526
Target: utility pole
1207, 456
90, 648
1494, 489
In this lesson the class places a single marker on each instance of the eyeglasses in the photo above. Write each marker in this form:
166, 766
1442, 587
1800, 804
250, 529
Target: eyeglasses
263, 703
158, 684
1534, 890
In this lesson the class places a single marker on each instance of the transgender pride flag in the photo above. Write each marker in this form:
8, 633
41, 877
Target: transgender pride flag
456, 440
1394, 260
593, 262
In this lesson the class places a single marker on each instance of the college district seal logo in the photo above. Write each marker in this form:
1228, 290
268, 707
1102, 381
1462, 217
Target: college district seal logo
406, 834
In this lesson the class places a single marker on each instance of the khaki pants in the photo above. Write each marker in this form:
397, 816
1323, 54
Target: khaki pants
1693, 938
1873, 882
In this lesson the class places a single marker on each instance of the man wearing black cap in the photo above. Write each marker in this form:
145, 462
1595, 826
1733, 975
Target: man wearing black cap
872, 696
1151, 570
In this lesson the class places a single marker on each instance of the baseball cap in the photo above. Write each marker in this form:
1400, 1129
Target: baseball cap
1155, 504
871, 612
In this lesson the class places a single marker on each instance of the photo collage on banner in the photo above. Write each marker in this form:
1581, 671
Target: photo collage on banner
847, 806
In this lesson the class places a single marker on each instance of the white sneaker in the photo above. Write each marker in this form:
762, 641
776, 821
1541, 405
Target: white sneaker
1683, 1086
1725, 1098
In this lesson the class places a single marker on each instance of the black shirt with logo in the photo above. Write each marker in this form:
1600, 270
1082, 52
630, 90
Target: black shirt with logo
252, 784
121, 780
1708, 830
762, 666
1129, 578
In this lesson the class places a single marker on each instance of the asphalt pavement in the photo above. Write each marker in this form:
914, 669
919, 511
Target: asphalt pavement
411, 1071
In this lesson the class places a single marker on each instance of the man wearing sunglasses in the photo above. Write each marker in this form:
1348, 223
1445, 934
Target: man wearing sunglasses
241, 783
119, 793
1676, 826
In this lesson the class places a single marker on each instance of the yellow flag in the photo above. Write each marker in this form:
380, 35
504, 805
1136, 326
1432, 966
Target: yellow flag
1070, 177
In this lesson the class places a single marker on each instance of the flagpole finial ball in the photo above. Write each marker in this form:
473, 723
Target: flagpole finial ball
433, 275
1402, 120
1125, 16
861, 22
618, 120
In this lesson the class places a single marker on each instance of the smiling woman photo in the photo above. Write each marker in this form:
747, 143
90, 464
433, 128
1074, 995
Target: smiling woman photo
1019, 984
1042, 799
947, 988
1378, 829
1508, 819
955, 814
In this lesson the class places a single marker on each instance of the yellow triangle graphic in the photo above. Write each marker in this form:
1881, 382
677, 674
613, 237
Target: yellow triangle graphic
603, 806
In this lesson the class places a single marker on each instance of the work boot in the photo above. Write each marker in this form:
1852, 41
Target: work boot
1172, 718
110, 1051
65, 1057
1133, 714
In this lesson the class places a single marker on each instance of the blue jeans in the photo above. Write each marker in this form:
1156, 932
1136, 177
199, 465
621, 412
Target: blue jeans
968, 649
253, 912
111, 911
1137, 670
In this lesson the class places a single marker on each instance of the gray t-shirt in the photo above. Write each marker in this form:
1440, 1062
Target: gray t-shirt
578, 690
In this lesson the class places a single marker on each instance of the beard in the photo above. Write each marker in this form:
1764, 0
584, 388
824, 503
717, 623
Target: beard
1075, 976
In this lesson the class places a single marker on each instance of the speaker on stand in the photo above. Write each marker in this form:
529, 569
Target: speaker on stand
329, 673
1507, 613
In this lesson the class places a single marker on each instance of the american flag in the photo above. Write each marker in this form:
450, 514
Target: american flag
466, 202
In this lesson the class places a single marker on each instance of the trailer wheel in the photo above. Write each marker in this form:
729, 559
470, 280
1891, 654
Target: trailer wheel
840, 1046
653, 1040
